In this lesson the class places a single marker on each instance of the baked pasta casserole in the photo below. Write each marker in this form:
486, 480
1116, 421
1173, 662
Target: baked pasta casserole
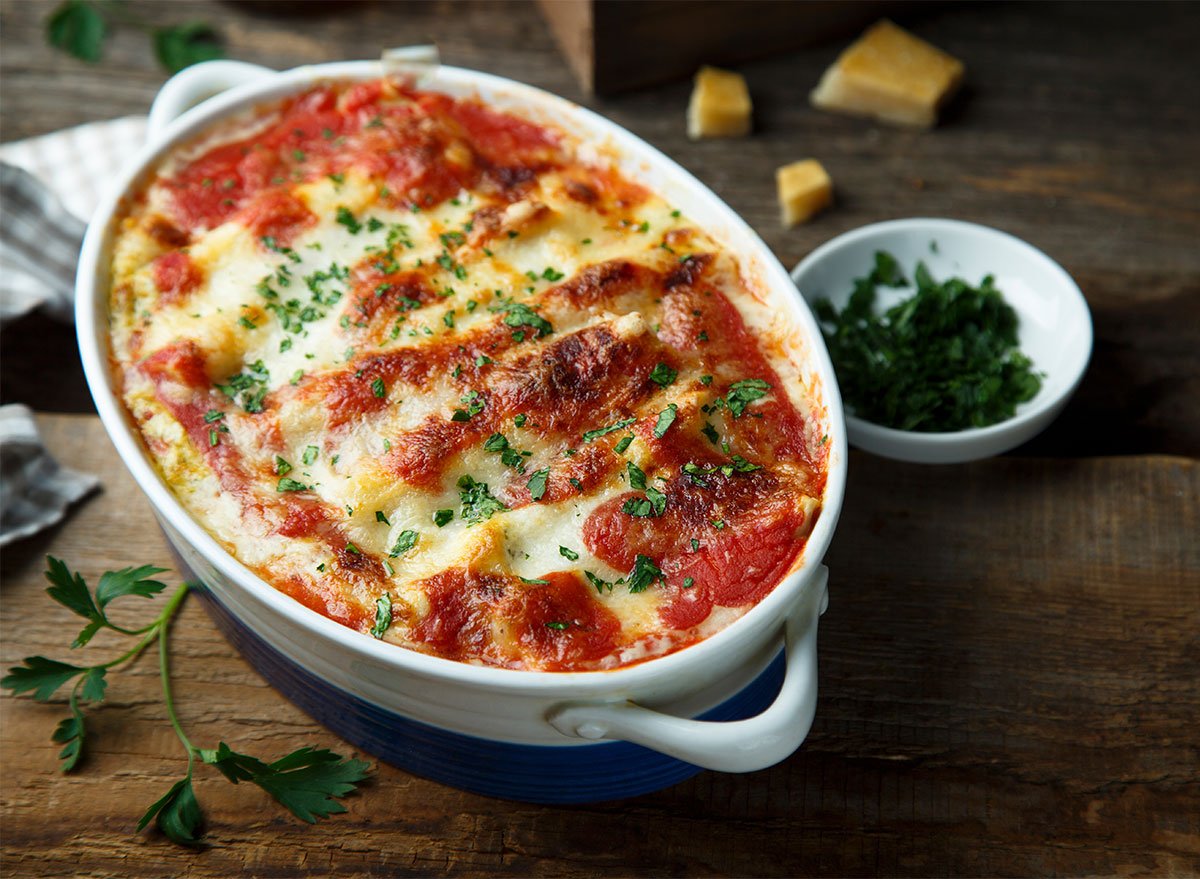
446, 376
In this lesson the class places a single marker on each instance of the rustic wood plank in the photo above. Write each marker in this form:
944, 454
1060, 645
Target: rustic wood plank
1010, 682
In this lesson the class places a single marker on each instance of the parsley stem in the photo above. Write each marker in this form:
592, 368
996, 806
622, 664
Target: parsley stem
152, 630
163, 624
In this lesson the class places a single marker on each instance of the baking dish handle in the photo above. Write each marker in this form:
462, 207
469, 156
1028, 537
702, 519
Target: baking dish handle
197, 83
731, 746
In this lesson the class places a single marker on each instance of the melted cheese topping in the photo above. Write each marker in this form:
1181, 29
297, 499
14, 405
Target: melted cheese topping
425, 370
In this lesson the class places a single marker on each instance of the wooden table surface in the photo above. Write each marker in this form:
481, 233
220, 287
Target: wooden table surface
1010, 665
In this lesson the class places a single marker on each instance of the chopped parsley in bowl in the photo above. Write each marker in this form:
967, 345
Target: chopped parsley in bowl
952, 341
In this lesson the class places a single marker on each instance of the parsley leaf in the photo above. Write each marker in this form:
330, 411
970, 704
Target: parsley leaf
78, 28
70, 733
644, 574
477, 501
406, 541
653, 504
71, 592
177, 813
600, 584
347, 219
305, 782
590, 435
289, 484
663, 375
41, 675
247, 387
521, 315
383, 616
637, 476
537, 484
665, 419
568, 554
742, 393
186, 44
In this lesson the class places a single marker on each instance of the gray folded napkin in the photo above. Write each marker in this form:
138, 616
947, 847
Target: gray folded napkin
39, 248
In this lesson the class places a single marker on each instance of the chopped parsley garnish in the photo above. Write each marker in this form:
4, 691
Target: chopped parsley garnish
711, 433
383, 615
247, 387
310, 455
213, 415
739, 465
663, 375
695, 545
347, 219
653, 504
706, 380
719, 524
281, 466
381, 516
575, 482
741, 394
537, 484
271, 244
519, 420
551, 275
600, 585
509, 456
637, 476
442, 517
518, 314
484, 360
688, 582
477, 501
534, 582
554, 625
408, 539
289, 484
644, 573
474, 404
943, 359
623, 444
568, 553
378, 389
665, 419
590, 435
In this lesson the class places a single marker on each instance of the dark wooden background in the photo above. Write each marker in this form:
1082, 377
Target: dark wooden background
1010, 666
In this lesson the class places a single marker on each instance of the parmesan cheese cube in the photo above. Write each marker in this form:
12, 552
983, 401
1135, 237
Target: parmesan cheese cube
720, 105
804, 188
892, 76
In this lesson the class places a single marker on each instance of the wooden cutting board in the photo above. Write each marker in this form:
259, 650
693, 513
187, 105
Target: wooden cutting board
1009, 687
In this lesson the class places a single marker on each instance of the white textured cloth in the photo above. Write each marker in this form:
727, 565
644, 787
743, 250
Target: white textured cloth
77, 164
49, 187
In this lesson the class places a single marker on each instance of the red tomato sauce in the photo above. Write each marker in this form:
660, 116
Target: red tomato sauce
424, 148
175, 276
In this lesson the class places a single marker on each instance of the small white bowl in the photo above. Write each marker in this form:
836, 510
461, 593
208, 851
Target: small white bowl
1055, 329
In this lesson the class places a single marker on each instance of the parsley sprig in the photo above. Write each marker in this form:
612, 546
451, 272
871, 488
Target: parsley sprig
307, 782
80, 27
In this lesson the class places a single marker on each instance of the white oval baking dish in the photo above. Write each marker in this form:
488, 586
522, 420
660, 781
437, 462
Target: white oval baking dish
524, 735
